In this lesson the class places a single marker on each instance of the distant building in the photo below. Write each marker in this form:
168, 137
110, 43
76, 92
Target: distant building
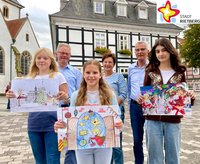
17, 42
115, 24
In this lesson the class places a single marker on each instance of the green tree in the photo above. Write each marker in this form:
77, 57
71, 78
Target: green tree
190, 49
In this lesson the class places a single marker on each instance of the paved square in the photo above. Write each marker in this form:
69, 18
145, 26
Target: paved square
15, 147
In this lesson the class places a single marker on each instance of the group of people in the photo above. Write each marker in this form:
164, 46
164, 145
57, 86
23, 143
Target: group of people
105, 87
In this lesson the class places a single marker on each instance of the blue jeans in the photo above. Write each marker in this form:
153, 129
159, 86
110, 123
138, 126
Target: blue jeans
45, 147
137, 124
70, 157
117, 156
163, 135
94, 156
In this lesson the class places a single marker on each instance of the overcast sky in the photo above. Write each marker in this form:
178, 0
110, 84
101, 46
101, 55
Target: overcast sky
38, 11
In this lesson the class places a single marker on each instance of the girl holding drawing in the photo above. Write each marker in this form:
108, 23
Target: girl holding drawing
163, 131
41, 133
117, 82
93, 91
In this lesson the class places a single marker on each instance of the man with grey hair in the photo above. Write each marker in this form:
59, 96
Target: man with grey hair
73, 77
136, 74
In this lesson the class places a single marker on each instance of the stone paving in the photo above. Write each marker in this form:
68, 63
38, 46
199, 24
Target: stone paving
15, 147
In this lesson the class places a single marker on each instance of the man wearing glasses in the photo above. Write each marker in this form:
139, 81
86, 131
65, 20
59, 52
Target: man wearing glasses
73, 77
136, 74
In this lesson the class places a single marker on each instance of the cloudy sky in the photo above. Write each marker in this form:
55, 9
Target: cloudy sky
38, 11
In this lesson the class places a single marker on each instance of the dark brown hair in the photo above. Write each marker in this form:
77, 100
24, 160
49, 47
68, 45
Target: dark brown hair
174, 56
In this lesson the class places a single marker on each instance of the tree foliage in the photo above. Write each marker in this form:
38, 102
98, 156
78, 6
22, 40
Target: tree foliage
190, 49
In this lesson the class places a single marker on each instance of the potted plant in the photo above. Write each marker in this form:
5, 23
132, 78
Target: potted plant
125, 51
101, 50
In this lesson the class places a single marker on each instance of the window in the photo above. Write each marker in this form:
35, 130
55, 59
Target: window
121, 10
145, 39
1, 61
25, 62
100, 40
142, 10
27, 37
123, 42
5, 11
99, 7
195, 71
142, 13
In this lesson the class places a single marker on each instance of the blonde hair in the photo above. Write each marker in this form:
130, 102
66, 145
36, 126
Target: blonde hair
105, 93
33, 71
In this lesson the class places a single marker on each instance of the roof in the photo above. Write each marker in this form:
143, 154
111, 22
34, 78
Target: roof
83, 10
14, 26
15, 2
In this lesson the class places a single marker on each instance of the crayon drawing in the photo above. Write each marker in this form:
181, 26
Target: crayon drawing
34, 95
88, 127
172, 99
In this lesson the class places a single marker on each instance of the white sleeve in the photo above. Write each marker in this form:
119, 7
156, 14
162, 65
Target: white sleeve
60, 78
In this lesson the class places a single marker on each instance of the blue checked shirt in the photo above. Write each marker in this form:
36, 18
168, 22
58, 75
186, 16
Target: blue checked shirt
135, 80
73, 77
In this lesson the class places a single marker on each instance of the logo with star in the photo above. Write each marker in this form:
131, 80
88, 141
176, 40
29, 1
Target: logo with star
168, 12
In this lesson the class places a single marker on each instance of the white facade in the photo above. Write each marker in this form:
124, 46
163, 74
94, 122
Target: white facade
84, 29
14, 11
7, 40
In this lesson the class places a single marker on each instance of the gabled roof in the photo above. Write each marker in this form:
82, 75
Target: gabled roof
14, 26
83, 10
14, 2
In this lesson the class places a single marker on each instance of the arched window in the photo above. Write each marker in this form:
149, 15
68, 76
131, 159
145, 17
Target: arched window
25, 62
5, 11
2, 61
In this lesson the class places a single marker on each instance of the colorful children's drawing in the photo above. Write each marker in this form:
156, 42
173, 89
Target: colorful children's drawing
34, 95
172, 99
88, 127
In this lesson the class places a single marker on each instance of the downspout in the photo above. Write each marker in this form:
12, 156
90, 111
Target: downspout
13, 42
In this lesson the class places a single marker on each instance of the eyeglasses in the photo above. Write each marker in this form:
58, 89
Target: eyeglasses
64, 53
141, 49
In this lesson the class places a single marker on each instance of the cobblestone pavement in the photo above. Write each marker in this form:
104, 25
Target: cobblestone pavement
15, 147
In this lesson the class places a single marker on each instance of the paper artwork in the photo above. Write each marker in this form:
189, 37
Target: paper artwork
88, 127
34, 95
172, 99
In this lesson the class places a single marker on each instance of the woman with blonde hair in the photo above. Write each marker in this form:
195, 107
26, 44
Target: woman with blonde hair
41, 133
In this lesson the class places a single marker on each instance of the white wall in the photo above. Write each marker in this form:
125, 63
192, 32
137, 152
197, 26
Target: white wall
21, 45
13, 10
5, 41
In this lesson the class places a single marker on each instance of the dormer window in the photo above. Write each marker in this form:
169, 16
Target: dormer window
121, 10
142, 13
142, 10
121, 7
99, 7
5, 12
